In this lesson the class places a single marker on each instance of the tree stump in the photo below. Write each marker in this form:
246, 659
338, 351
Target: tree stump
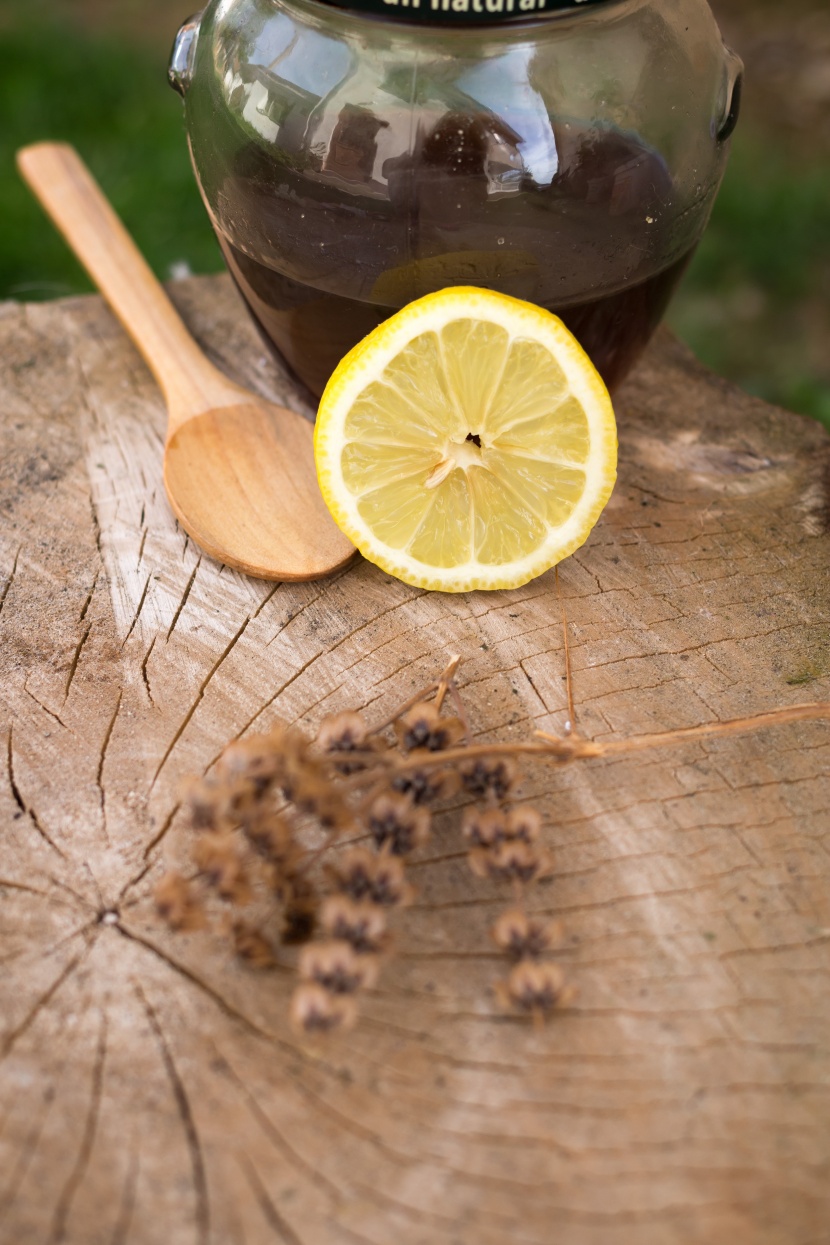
152, 1089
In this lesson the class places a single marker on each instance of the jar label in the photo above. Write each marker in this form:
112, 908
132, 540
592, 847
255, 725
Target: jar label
463, 12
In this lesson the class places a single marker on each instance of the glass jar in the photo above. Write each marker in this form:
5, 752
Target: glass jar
357, 154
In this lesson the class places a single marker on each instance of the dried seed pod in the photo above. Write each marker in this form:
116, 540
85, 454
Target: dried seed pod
345, 732
299, 919
423, 727
534, 988
511, 861
426, 785
489, 776
314, 1010
271, 836
177, 904
362, 925
397, 825
342, 732
523, 937
337, 966
523, 822
389, 886
202, 799
354, 873
218, 859
240, 801
279, 877
300, 904
484, 828
253, 762
311, 787
295, 765
251, 945
361, 875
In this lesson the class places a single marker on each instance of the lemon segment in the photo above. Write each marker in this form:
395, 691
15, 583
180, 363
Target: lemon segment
468, 442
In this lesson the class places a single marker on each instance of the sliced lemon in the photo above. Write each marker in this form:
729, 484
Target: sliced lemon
468, 442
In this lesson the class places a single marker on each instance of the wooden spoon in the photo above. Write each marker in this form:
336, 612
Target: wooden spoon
239, 471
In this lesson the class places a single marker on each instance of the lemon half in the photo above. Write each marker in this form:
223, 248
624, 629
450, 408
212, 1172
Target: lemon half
468, 442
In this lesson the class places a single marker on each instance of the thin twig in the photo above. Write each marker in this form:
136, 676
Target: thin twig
570, 725
423, 694
712, 730
574, 748
445, 681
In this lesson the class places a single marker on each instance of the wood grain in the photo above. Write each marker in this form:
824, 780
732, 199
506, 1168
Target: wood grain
150, 1088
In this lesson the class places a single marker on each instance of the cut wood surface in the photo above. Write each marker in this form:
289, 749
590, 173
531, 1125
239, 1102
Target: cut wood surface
151, 1089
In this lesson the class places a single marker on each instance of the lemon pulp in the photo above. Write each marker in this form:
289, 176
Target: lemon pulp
467, 442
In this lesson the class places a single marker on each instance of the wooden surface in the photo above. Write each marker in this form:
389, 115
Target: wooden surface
150, 1088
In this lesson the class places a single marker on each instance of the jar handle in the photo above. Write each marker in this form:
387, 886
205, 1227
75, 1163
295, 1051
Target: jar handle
180, 69
733, 90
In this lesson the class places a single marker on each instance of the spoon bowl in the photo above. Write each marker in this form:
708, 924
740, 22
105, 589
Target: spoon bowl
241, 481
238, 470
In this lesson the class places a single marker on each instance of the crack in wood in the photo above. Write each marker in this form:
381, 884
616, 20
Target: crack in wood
144, 675
76, 657
263, 708
344, 1234
99, 773
139, 608
35, 952
23, 1160
126, 1207
228, 1008
256, 1031
89, 596
194, 1145
96, 527
264, 602
203, 686
305, 606
272, 1216
46, 709
66, 972
21, 886
154, 842
183, 601
76, 895
276, 1138
76, 1175
9, 580
21, 803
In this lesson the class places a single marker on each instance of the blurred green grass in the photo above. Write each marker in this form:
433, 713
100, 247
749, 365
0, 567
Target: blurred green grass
754, 305
110, 98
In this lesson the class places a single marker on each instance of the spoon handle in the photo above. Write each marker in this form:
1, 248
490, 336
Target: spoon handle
76, 203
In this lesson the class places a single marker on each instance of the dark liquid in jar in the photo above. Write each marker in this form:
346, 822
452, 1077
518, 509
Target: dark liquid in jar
599, 219
313, 330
